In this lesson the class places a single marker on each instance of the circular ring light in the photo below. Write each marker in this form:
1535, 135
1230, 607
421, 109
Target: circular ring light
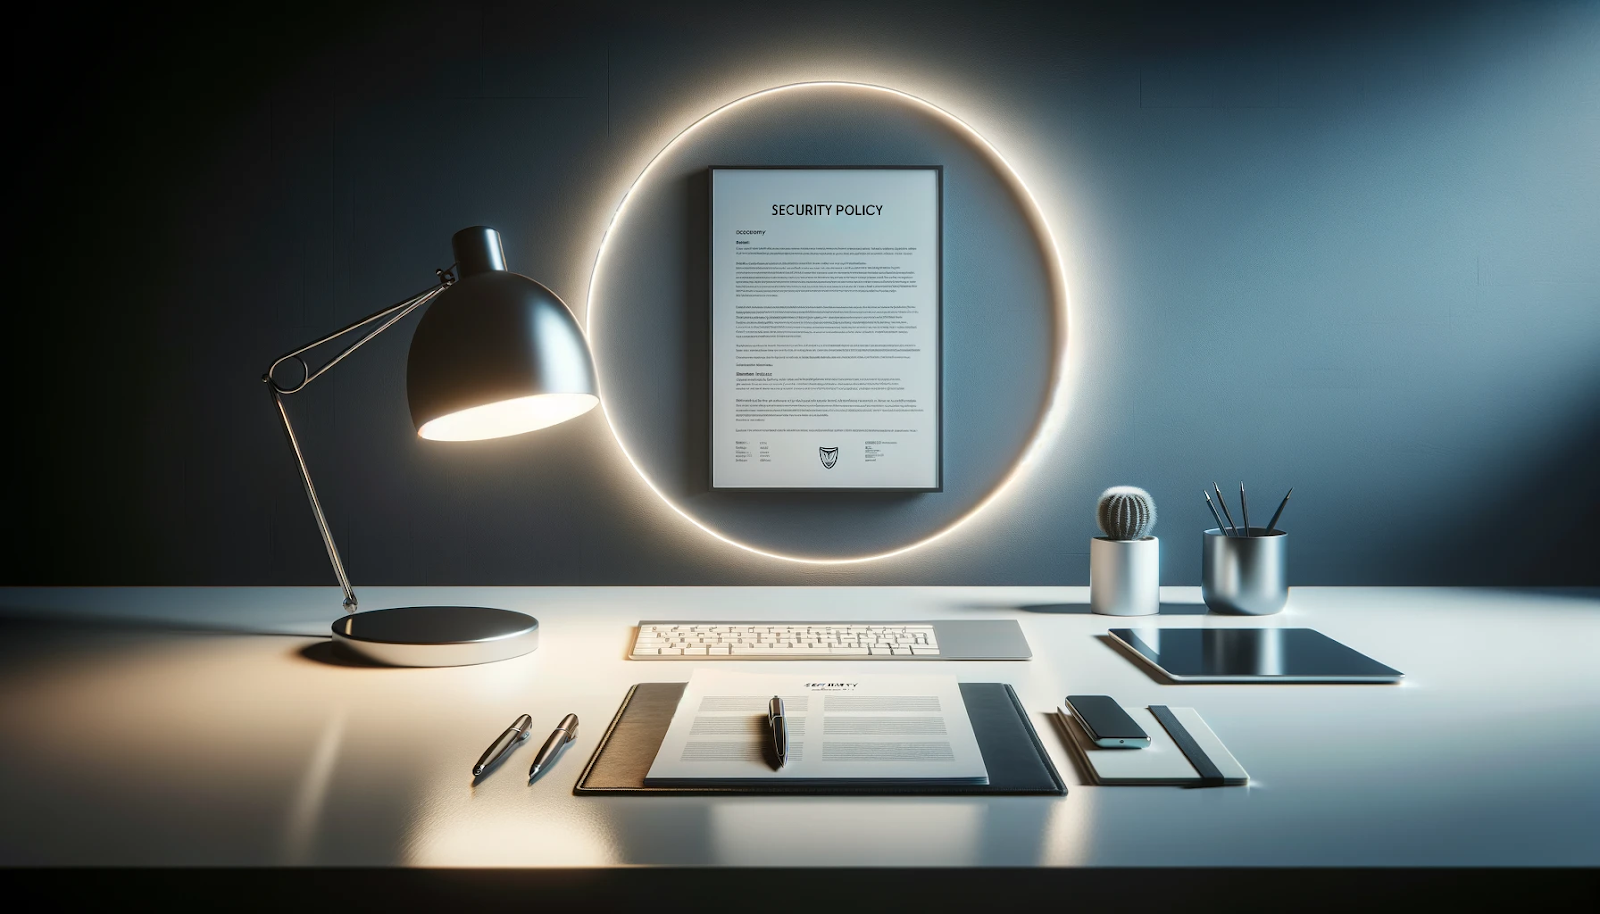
1055, 404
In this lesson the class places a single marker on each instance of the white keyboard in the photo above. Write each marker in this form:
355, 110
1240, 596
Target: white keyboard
785, 641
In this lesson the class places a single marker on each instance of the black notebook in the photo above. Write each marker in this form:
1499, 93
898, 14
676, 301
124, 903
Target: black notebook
1015, 759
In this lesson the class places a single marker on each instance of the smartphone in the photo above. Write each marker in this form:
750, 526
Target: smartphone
1106, 723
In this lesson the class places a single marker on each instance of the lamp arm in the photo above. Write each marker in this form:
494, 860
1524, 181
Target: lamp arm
446, 279
389, 316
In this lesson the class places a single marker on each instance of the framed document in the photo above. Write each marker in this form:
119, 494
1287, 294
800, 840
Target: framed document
826, 340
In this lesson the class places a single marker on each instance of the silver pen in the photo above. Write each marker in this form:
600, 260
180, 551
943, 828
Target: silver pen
1244, 506
516, 733
1221, 527
1233, 529
1273, 524
565, 732
780, 730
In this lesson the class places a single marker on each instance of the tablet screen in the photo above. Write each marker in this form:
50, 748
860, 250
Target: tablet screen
1253, 654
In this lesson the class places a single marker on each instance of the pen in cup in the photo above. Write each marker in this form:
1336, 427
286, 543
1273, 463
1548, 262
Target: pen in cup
1221, 527
1272, 524
1232, 529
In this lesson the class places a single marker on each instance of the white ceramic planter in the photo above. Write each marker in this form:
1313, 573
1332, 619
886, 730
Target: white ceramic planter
1125, 576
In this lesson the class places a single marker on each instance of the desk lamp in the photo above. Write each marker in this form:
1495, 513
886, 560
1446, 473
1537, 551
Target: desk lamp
498, 354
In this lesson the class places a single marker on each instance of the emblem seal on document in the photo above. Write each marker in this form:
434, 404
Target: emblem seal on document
829, 456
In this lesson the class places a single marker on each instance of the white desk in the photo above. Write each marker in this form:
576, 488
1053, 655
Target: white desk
158, 736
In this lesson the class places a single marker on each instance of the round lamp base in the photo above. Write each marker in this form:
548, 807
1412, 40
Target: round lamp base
438, 635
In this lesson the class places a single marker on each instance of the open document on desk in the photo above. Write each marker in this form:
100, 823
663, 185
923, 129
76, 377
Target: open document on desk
852, 729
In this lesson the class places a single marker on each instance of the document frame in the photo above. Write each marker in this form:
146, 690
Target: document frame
720, 306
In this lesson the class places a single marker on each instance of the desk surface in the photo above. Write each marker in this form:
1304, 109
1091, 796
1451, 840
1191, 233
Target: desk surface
182, 726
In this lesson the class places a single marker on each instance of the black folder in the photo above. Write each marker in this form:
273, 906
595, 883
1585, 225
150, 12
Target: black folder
1012, 753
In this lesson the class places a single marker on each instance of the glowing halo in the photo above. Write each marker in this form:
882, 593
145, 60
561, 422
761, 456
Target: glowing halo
1050, 418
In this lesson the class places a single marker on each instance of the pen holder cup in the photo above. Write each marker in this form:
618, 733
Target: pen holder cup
1245, 575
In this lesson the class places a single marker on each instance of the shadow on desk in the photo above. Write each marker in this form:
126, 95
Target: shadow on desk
1167, 609
85, 633
1053, 723
1121, 648
328, 653
45, 626
1581, 594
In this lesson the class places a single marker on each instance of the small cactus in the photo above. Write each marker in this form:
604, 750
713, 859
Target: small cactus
1126, 512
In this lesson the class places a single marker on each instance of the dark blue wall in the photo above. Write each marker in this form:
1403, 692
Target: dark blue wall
1355, 251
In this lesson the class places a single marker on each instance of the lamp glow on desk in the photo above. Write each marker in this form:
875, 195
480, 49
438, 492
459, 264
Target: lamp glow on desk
497, 355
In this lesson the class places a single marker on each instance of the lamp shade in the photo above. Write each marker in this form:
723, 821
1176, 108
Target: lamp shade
496, 354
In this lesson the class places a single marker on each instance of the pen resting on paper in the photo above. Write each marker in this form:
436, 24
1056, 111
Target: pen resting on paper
777, 722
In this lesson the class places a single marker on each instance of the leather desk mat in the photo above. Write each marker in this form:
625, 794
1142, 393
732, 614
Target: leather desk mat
1015, 758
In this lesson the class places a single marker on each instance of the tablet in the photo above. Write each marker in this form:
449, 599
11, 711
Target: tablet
1251, 655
